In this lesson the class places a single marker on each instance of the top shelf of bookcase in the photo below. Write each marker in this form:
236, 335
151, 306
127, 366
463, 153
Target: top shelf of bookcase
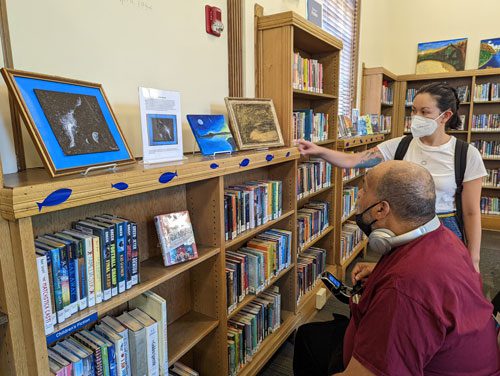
307, 36
380, 70
450, 75
312, 95
23, 191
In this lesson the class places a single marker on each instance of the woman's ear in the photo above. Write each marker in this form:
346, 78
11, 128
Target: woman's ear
445, 116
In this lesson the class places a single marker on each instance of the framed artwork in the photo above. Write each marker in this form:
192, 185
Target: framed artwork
254, 123
442, 56
489, 53
71, 122
212, 134
162, 129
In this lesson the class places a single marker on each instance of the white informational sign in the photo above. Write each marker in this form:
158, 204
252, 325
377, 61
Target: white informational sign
161, 125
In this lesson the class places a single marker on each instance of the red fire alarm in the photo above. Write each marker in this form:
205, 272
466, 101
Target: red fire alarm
213, 20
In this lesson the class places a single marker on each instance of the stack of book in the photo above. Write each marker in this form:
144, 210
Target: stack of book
490, 205
310, 126
250, 269
310, 264
249, 327
251, 204
307, 74
488, 149
463, 93
312, 176
495, 91
180, 369
410, 96
482, 92
81, 267
134, 343
486, 122
492, 179
312, 220
407, 123
351, 237
347, 127
385, 124
350, 173
387, 96
349, 197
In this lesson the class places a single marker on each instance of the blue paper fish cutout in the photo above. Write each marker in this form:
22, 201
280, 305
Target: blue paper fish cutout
121, 186
213, 166
167, 176
287, 154
269, 157
55, 198
245, 162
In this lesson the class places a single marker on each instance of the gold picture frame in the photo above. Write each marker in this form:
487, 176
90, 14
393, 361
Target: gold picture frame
71, 122
254, 123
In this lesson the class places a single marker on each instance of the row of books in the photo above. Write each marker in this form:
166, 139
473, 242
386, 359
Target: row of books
250, 326
312, 176
487, 92
312, 220
387, 93
488, 149
134, 343
310, 126
492, 179
351, 237
310, 264
250, 269
349, 197
410, 96
307, 74
462, 91
250, 205
486, 122
385, 124
96, 259
350, 173
490, 205
363, 125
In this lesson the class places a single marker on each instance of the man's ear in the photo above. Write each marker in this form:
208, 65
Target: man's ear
383, 210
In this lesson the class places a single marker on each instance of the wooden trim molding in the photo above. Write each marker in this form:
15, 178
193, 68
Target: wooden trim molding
355, 55
235, 47
258, 11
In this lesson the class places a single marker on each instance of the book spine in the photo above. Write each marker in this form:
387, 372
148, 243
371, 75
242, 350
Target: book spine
152, 341
126, 349
89, 268
57, 277
121, 256
112, 360
135, 255
74, 283
82, 275
43, 283
111, 243
128, 234
98, 276
64, 276
52, 286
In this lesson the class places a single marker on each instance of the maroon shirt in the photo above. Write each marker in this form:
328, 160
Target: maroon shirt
423, 313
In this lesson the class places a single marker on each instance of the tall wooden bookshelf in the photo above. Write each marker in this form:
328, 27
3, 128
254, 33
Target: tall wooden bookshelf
371, 102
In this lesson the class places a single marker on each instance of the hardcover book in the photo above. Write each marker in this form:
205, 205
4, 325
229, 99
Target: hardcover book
176, 237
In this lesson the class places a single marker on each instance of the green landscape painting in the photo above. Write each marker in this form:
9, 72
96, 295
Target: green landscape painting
441, 56
489, 53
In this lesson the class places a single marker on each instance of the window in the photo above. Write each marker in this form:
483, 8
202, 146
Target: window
340, 18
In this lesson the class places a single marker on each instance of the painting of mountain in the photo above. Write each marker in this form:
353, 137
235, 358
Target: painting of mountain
489, 53
441, 56
211, 133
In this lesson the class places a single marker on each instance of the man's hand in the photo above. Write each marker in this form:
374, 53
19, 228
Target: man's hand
361, 271
308, 148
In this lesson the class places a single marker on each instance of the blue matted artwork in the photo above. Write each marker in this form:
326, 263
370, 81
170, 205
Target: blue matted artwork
71, 122
489, 53
162, 129
212, 134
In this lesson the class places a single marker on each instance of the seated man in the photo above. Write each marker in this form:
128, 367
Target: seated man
422, 310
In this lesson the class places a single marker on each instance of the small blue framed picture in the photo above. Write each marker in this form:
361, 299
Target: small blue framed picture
71, 122
212, 134
162, 129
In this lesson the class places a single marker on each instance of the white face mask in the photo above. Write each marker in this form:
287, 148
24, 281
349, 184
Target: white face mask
422, 126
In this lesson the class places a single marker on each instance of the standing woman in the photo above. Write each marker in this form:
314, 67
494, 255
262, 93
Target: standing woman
435, 109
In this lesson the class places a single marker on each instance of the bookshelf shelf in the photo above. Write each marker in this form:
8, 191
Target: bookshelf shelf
491, 158
490, 221
251, 233
359, 247
250, 297
325, 142
320, 236
485, 131
304, 200
347, 143
491, 187
385, 104
304, 94
186, 332
486, 102
349, 216
350, 180
457, 132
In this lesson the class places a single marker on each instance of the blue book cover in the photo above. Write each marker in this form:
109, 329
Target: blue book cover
212, 134
308, 123
361, 126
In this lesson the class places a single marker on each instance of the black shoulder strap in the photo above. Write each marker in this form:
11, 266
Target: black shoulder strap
461, 148
403, 146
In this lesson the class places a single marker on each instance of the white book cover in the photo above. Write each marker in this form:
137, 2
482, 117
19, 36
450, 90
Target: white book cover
43, 282
151, 340
161, 125
123, 332
156, 307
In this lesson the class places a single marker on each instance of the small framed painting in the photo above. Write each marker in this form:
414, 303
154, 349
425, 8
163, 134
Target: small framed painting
71, 122
212, 134
441, 56
489, 53
254, 123
162, 129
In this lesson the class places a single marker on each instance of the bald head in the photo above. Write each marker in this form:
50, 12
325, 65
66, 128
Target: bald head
408, 187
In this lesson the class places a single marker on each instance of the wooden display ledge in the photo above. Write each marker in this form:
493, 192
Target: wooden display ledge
22, 191
352, 142
305, 199
250, 297
490, 222
152, 273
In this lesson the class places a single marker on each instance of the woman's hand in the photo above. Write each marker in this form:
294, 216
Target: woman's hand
309, 148
361, 271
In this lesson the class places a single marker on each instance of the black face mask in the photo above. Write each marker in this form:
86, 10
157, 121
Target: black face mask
365, 227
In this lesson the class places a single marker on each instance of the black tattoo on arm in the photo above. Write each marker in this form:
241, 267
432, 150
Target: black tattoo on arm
370, 158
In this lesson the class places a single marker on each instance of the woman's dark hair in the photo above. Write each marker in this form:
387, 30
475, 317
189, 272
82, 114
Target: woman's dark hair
446, 98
